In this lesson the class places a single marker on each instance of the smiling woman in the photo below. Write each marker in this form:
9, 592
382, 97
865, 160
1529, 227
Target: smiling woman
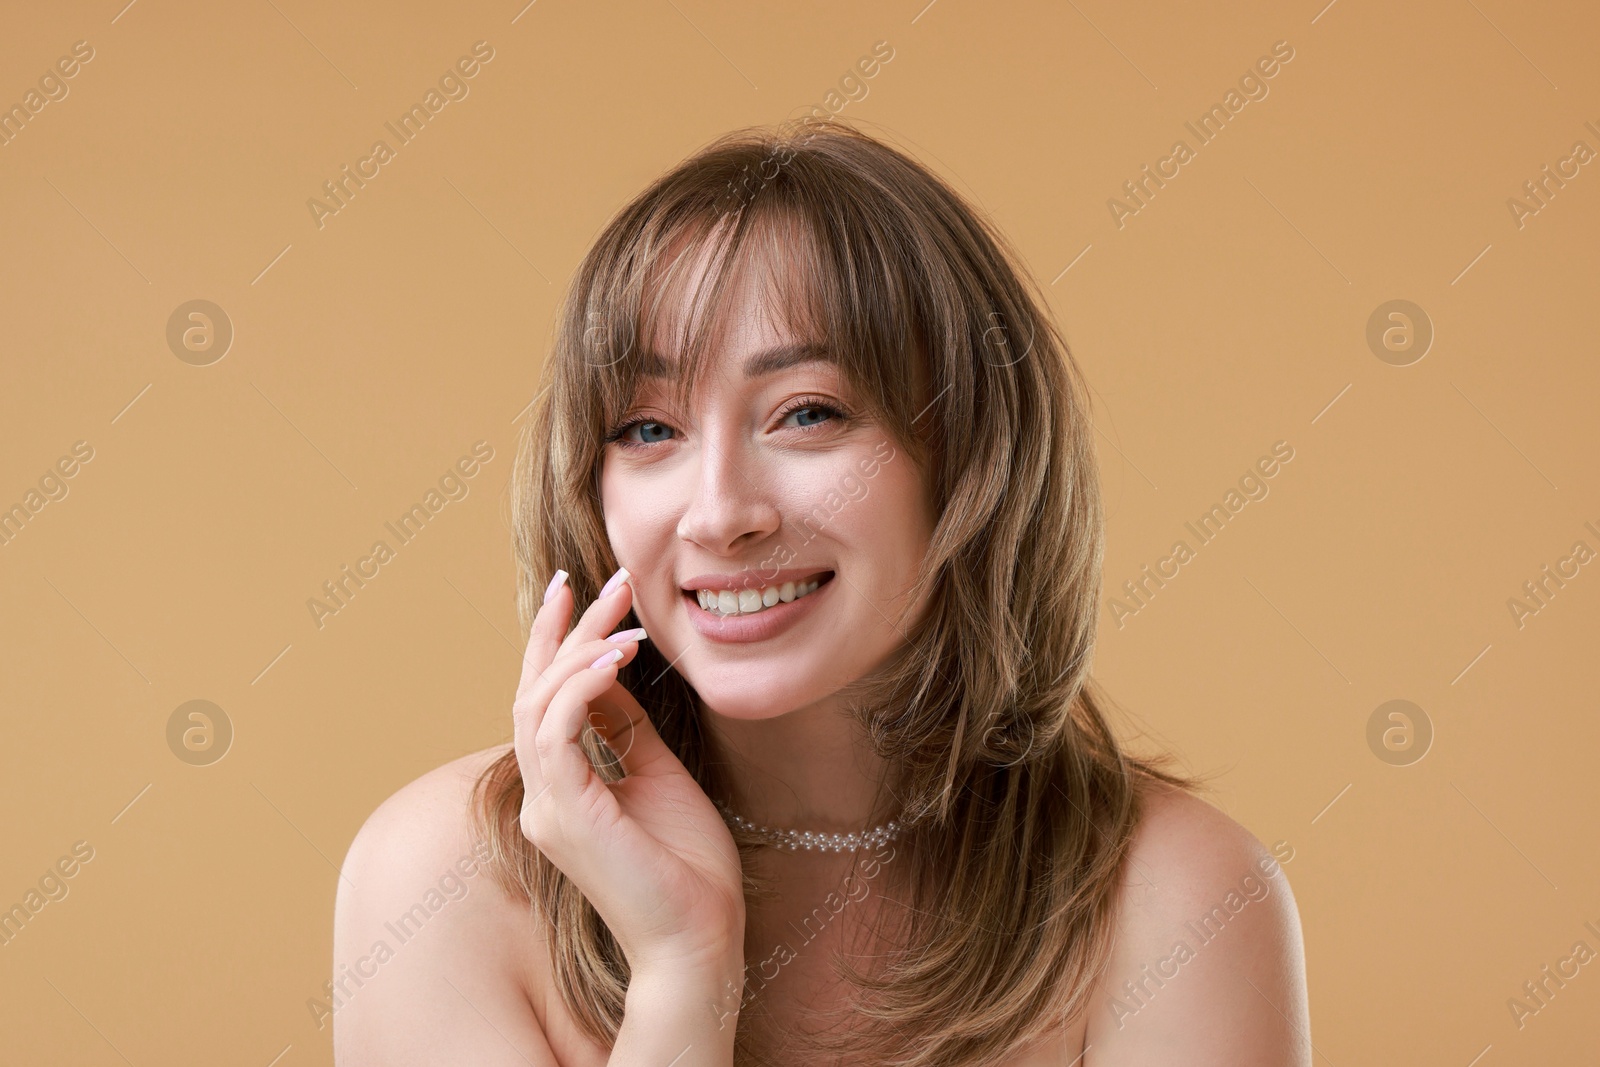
914, 672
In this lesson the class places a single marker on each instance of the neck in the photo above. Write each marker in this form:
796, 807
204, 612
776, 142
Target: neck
807, 769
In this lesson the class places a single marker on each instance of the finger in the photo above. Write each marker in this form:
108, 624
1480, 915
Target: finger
573, 656
629, 733
532, 706
563, 764
545, 669
544, 639
607, 610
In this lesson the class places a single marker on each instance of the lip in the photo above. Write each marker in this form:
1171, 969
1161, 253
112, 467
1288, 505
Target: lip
746, 580
760, 626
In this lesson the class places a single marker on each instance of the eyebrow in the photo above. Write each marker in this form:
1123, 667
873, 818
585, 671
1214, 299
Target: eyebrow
652, 365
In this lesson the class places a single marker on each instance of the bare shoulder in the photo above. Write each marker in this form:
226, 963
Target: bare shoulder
1208, 965
431, 956
426, 818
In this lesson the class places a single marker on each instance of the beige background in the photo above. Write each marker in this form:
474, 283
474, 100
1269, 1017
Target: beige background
1228, 314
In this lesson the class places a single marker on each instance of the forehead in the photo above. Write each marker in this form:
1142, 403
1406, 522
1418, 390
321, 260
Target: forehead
759, 326
746, 361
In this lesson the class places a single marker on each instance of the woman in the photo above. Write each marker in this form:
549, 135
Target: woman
837, 464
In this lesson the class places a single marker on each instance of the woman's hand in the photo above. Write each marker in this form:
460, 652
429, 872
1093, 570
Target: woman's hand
650, 852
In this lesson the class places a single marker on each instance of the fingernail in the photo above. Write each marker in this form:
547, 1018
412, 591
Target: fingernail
635, 634
606, 660
555, 583
614, 581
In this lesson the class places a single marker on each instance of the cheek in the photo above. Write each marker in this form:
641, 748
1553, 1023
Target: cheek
882, 519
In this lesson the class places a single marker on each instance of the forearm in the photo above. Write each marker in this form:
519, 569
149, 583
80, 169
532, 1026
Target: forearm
681, 1020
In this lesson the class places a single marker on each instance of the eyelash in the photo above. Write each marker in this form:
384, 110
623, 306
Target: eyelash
618, 435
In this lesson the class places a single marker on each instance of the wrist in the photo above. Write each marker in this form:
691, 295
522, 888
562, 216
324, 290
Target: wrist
711, 990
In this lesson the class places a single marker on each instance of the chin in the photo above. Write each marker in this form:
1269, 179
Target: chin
739, 702
751, 693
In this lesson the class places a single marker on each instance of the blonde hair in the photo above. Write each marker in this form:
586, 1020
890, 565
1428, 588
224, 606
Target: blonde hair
1018, 801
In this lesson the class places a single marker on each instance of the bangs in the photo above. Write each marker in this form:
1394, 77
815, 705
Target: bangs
812, 268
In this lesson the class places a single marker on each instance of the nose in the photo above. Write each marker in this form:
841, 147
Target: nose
731, 505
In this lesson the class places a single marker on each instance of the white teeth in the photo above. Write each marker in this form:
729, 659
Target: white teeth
750, 601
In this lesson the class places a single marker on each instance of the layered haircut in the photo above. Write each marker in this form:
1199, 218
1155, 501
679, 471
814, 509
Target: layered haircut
1018, 803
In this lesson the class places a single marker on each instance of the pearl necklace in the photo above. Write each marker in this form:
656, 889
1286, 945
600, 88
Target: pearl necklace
796, 840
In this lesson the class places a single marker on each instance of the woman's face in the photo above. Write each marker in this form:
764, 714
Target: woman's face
774, 481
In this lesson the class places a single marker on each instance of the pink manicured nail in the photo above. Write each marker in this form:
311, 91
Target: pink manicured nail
635, 634
555, 583
614, 581
606, 660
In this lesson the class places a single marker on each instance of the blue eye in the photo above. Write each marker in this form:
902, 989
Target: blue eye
650, 432
810, 412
